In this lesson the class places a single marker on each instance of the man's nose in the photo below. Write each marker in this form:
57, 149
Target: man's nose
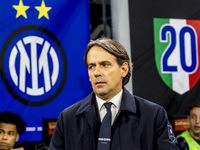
5, 136
198, 119
97, 71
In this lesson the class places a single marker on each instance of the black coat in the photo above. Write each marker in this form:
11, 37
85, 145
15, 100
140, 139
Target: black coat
139, 125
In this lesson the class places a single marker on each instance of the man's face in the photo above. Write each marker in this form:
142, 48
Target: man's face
194, 120
105, 74
8, 136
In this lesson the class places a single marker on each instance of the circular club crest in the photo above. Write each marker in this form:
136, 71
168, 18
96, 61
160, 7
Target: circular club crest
34, 65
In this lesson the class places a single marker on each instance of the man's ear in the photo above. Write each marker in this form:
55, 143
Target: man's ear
17, 137
124, 69
188, 117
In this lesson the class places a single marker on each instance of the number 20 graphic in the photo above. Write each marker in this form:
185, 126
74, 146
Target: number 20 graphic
167, 29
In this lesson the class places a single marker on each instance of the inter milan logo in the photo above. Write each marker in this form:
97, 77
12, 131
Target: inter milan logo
34, 65
177, 52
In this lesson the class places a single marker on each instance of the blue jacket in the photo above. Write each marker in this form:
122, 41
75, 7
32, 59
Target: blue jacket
139, 125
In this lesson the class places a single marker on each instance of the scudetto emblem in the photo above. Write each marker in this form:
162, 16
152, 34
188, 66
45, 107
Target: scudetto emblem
33, 65
177, 52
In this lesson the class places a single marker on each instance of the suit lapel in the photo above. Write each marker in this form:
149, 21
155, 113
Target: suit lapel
92, 118
88, 108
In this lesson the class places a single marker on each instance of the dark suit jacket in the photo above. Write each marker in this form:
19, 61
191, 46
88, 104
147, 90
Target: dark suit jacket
139, 125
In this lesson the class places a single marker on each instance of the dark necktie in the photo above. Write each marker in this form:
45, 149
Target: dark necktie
105, 130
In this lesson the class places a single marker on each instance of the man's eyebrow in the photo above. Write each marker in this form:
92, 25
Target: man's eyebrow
91, 63
105, 61
8, 131
101, 62
1, 130
193, 114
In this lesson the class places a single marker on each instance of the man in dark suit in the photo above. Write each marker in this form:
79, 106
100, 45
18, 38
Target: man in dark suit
137, 124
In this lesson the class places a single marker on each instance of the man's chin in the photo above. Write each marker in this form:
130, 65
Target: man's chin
4, 148
101, 93
196, 132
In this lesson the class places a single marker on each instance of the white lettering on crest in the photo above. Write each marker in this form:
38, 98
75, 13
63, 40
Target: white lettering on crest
33, 65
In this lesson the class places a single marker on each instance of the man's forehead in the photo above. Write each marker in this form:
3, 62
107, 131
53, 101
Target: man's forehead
100, 56
196, 109
8, 127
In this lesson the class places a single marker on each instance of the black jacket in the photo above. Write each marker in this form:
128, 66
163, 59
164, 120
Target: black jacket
139, 125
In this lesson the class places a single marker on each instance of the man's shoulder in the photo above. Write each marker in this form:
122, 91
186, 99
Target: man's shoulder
150, 109
73, 107
142, 102
80, 105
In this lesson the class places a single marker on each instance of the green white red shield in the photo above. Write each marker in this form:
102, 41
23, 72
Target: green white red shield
177, 53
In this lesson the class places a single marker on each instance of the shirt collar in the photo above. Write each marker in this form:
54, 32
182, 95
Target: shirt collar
116, 100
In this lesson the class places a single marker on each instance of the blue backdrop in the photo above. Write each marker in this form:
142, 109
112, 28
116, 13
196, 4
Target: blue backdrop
42, 49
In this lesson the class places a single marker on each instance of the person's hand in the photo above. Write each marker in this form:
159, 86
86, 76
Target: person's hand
21, 148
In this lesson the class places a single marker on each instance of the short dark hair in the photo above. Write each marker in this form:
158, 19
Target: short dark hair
15, 119
195, 104
115, 49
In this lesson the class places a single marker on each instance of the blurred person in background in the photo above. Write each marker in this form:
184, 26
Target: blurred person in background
190, 139
11, 127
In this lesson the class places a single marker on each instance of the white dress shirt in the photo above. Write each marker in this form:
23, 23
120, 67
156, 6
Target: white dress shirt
116, 100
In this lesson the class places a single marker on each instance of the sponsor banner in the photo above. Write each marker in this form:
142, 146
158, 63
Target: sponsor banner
177, 53
42, 49
181, 124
